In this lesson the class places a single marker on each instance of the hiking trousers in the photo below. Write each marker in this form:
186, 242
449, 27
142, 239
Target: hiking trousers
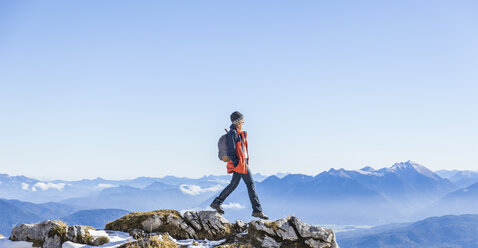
251, 190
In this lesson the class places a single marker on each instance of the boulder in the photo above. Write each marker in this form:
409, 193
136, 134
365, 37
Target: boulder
47, 234
53, 233
162, 221
194, 225
209, 224
289, 232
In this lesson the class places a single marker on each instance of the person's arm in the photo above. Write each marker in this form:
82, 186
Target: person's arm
231, 147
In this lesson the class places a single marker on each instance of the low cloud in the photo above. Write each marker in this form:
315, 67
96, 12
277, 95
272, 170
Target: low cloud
45, 186
25, 186
196, 190
233, 205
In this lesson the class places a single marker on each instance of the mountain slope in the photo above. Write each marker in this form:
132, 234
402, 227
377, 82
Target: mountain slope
10, 215
438, 232
96, 218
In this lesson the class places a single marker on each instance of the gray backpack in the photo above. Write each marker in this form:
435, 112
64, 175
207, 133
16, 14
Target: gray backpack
222, 146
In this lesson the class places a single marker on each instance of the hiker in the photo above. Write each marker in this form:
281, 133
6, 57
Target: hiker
237, 163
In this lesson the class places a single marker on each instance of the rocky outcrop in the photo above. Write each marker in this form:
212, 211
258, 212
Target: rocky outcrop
166, 228
53, 233
286, 232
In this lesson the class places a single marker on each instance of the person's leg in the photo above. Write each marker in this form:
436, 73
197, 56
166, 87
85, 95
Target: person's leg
236, 178
251, 189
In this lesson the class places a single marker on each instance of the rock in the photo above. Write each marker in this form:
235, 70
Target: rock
209, 224
315, 232
269, 242
284, 230
289, 232
47, 234
308, 231
316, 244
100, 240
240, 226
153, 230
79, 234
162, 221
53, 233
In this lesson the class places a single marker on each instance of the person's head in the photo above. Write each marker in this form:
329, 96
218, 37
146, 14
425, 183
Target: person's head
237, 119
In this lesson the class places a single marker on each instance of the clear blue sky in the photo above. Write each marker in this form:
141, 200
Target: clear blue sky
120, 89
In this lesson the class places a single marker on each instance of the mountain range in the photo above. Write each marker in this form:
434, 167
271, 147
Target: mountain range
405, 191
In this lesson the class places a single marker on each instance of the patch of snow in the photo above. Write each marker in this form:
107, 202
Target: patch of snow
116, 239
105, 186
25, 186
200, 243
365, 172
6, 243
196, 190
233, 205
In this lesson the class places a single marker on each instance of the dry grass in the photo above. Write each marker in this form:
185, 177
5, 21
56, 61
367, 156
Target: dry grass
152, 242
133, 220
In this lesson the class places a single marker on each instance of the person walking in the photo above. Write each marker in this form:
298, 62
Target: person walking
238, 161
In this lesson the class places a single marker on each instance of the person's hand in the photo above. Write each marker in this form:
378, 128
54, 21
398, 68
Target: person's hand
225, 158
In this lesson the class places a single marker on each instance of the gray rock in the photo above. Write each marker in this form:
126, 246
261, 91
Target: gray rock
284, 230
208, 224
317, 244
152, 223
40, 233
269, 242
260, 226
52, 242
240, 226
308, 231
193, 219
79, 234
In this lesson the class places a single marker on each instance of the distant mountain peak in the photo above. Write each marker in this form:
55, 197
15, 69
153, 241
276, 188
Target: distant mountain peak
340, 172
368, 169
411, 165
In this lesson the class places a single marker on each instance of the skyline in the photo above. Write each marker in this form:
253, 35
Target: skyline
117, 89
279, 174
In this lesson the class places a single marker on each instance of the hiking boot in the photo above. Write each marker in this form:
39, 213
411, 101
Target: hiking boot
216, 207
260, 215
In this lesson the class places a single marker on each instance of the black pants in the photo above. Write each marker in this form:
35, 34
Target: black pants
251, 189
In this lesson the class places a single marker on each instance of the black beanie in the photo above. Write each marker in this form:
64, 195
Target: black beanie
236, 116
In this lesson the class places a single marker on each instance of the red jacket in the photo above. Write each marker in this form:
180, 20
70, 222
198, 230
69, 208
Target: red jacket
237, 149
